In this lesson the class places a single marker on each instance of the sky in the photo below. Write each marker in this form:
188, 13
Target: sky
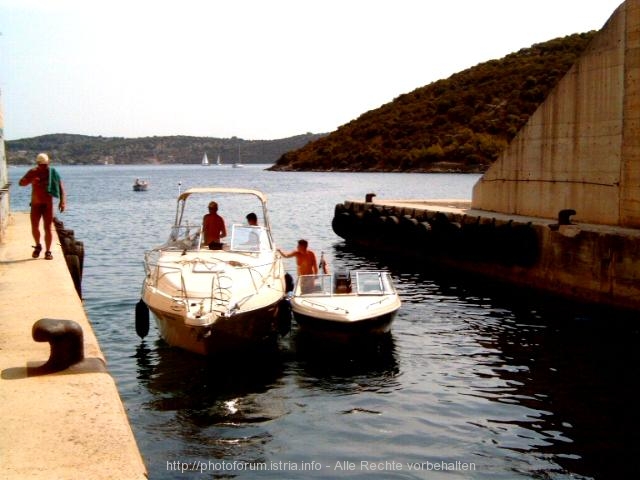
254, 69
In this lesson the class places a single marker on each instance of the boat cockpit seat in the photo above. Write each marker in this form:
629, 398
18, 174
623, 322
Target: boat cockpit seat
343, 282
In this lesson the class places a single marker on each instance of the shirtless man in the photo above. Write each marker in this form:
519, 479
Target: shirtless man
45, 184
213, 227
305, 259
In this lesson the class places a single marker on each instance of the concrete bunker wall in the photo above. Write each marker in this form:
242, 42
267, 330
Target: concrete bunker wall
580, 149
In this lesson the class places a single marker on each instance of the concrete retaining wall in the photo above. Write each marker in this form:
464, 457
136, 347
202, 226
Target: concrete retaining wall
581, 149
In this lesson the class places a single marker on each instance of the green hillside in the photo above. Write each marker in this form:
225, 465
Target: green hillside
83, 150
458, 124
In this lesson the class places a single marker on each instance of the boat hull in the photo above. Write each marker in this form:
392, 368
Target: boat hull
240, 331
375, 325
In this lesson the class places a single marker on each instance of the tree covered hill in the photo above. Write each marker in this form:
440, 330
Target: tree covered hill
82, 150
459, 124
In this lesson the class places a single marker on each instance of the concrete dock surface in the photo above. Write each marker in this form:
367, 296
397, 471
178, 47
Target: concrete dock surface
65, 425
461, 207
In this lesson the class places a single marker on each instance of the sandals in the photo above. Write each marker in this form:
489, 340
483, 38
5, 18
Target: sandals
36, 253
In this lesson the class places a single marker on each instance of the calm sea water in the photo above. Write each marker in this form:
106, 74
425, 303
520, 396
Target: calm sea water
471, 383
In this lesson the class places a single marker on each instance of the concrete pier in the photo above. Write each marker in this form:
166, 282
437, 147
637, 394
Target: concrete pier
69, 424
585, 262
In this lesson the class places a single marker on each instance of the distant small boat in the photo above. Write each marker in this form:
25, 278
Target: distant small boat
205, 160
218, 161
140, 185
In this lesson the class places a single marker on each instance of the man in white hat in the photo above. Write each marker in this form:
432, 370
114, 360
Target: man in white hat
46, 184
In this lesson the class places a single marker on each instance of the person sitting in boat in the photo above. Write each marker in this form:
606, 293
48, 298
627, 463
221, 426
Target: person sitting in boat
306, 262
252, 219
254, 238
213, 228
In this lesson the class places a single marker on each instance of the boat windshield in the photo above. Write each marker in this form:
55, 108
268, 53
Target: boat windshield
184, 237
249, 238
315, 285
373, 283
359, 282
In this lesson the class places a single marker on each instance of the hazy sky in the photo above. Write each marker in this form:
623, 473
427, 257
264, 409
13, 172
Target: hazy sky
256, 69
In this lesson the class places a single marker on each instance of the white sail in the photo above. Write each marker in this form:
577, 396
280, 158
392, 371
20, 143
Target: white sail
238, 164
218, 161
205, 159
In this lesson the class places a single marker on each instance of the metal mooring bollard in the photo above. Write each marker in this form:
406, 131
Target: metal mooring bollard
66, 340
564, 216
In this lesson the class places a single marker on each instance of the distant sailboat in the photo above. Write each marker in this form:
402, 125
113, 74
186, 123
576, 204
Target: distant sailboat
205, 160
238, 164
218, 161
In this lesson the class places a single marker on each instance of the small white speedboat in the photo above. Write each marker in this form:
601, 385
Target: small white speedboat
212, 301
360, 302
140, 185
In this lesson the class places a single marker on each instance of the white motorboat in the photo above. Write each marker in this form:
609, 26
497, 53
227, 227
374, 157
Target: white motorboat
210, 301
140, 185
357, 302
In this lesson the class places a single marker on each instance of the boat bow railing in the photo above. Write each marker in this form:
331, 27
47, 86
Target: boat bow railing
220, 288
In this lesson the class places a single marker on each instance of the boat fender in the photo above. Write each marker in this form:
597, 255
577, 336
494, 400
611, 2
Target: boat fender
389, 229
339, 208
142, 319
342, 224
73, 264
79, 250
393, 221
288, 282
378, 231
408, 231
527, 241
423, 232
